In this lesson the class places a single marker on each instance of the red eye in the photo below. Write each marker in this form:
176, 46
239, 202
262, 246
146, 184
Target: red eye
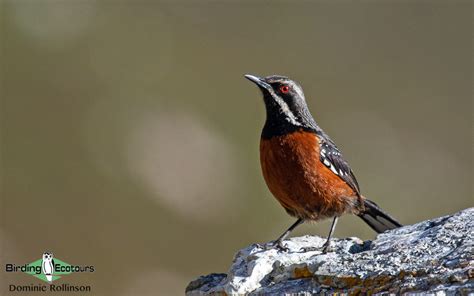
284, 89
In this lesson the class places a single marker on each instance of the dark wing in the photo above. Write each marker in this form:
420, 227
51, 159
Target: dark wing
332, 158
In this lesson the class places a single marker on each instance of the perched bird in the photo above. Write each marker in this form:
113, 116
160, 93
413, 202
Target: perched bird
303, 167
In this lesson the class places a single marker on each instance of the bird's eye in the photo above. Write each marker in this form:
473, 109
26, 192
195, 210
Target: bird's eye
284, 89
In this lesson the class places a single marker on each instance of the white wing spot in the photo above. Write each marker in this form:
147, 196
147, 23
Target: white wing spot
326, 162
333, 169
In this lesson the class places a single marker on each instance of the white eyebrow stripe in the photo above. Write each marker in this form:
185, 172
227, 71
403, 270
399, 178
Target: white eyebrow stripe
299, 91
285, 109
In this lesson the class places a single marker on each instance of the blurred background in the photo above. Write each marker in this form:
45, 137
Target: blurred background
129, 137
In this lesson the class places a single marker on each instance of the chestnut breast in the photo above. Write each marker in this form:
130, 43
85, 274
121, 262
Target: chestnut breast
294, 174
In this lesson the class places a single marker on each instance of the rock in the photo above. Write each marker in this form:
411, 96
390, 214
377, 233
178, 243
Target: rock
434, 256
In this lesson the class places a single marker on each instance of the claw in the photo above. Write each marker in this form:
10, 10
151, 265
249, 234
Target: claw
324, 248
309, 249
277, 245
281, 247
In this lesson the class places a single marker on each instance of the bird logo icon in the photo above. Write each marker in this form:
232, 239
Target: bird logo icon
47, 266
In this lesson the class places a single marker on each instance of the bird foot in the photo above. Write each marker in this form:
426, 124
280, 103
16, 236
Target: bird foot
274, 245
324, 249
279, 246
327, 248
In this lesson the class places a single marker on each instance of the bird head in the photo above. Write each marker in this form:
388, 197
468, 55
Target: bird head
285, 102
47, 256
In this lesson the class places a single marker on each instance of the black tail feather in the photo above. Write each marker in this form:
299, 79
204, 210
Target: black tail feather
376, 218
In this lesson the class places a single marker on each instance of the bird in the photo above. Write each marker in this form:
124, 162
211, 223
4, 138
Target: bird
47, 266
303, 168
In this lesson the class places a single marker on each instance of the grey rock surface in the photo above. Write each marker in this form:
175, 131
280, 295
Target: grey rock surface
432, 257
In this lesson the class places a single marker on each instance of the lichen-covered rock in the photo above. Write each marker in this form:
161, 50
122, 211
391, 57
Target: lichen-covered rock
434, 256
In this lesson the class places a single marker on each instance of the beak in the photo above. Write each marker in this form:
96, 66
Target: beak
258, 81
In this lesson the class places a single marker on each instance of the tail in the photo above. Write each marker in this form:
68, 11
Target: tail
376, 218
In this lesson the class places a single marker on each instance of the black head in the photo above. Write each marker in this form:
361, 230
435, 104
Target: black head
285, 104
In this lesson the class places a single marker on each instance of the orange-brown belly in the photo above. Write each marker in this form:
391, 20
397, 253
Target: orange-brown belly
299, 181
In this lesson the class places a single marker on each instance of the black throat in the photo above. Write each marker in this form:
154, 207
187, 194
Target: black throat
278, 124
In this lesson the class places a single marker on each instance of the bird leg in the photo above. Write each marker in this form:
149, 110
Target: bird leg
278, 243
331, 231
325, 247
